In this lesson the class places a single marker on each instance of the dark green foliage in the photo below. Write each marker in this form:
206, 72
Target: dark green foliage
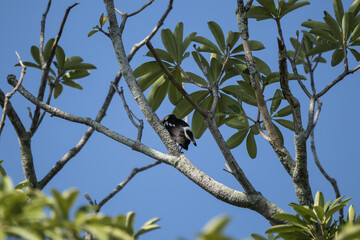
68, 69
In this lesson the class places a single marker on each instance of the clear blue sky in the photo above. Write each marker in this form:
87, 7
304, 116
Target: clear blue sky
163, 192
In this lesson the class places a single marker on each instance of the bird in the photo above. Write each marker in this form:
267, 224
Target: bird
179, 131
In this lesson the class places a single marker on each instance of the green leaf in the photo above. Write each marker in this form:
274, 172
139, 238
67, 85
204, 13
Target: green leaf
147, 227
291, 7
163, 55
347, 25
207, 43
283, 228
351, 214
316, 25
319, 199
256, 236
169, 42
145, 68
237, 138
76, 74
306, 213
218, 34
286, 123
23, 232
268, 5
238, 121
279, 134
72, 62
319, 211
58, 88
130, 219
355, 53
47, 49
196, 78
339, 10
158, 93
355, 7
198, 125
2, 170
60, 57
355, 34
187, 42
333, 25
148, 79
259, 13
92, 32
30, 64
174, 95
275, 103
284, 112
72, 84
253, 45
178, 35
337, 57
35, 54
333, 210
294, 219
23, 184
184, 108
251, 145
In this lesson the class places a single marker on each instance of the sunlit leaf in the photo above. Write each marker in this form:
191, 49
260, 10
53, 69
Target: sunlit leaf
286, 123
47, 49
169, 42
58, 88
35, 54
259, 13
276, 100
158, 93
184, 108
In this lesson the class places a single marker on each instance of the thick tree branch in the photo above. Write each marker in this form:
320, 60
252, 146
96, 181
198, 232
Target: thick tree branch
282, 153
254, 201
45, 71
24, 140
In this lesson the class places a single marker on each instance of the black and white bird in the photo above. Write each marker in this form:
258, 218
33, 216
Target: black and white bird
179, 131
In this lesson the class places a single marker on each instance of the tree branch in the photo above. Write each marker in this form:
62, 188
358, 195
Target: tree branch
254, 201
10, 94
121, 185
174, 81
338, 79
46, 69
77, 148
130, 114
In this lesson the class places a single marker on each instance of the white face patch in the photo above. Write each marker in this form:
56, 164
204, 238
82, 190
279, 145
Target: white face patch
187, 128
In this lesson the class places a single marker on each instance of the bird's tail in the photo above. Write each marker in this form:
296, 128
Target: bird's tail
193, 141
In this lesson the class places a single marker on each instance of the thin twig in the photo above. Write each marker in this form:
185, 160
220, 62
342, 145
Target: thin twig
338, 79
42, 34
10, 94
324, 173
174, 81
130, 114
136, 47
121, 185
189, 78
142, 8
45, 72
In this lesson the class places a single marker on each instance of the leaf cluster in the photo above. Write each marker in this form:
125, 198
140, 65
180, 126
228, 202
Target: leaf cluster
29, 214
68, 69
313, 223
339, 33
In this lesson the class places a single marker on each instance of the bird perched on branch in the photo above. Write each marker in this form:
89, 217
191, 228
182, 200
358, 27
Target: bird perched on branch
179, 131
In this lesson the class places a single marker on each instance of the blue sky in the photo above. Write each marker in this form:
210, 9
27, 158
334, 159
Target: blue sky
163, 192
